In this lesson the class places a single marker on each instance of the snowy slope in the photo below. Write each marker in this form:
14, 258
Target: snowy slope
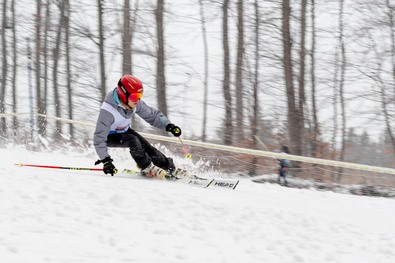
81, 216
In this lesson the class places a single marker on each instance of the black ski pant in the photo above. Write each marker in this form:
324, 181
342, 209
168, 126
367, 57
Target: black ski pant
141, 150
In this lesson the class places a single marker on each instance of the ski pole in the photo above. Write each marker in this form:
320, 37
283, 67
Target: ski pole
59, 167
187, 155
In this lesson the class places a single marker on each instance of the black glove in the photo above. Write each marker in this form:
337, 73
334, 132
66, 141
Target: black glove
175, 130
108, 167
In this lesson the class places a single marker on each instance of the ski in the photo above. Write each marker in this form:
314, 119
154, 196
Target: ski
225, 183
201, 182
215, 182
197, 180
130, 171
218, 182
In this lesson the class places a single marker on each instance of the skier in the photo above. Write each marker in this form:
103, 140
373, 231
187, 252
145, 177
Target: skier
284, 166
113, 129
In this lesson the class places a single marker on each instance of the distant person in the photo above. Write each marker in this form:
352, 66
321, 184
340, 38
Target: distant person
285, 164
113, 129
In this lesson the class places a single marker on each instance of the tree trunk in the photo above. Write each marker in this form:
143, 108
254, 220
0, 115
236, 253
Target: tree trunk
37, 66
302, 62
335, 106
387, 117
316, 129
293, 112
68, 67
4, 71
43, 101
56, 58
255, 108
160, 65
228, 132
342, 80
126, 40
239, 72
206, 69
14, 70
342, 66
101, 51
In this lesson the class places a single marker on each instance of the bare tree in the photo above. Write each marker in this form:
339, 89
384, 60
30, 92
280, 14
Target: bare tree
256, 82
206, 69
387, 115
302, 68
37, 66
160, 65
4, 70
66, 27
126, 40
342, 80
335, 105
294, 117
391, 101
101, 50
384, 94
239, 71
56, 59
316, 127
42, 106
381, 66
228, 129
255, 108
14, 68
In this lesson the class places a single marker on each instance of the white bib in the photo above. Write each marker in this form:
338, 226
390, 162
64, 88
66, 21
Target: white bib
121, 124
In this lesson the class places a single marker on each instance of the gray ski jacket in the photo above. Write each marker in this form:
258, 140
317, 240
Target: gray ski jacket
114, 118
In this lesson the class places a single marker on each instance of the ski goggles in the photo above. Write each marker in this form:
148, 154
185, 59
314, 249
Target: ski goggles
133, 97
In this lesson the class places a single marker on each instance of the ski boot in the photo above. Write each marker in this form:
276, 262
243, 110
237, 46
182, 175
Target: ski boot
154, 171
179, 173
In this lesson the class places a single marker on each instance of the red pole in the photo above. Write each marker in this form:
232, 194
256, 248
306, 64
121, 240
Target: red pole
187, 155
59, 167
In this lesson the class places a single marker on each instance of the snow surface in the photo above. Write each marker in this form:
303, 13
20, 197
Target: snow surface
50, 215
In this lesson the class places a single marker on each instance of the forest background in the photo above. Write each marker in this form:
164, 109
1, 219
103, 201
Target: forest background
318, 76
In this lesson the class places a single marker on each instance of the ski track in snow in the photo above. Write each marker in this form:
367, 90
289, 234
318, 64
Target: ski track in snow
50, 215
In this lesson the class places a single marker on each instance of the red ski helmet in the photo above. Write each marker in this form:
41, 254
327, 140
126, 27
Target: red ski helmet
129, 88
